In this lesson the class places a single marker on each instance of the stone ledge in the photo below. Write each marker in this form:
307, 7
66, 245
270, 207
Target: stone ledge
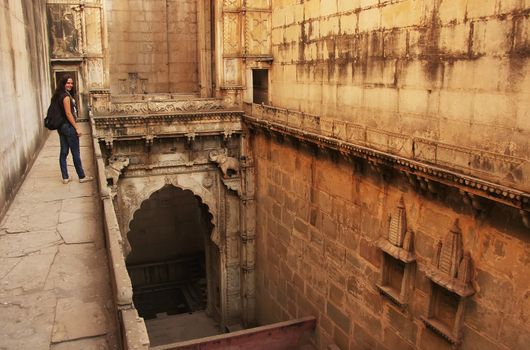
312, 129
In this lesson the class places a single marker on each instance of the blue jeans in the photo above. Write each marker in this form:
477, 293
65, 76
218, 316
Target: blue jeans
69, 141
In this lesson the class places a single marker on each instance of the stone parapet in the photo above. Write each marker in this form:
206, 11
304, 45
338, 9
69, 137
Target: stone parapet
427, 160
132, 327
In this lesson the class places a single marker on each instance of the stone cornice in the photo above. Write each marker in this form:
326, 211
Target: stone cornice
421, 170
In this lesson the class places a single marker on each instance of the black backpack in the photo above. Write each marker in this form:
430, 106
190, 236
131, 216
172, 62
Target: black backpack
55, 116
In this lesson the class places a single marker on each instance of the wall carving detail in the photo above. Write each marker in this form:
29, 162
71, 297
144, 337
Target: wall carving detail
397, 274
451, 273
228, 165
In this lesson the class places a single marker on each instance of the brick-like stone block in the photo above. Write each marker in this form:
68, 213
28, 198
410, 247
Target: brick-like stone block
354, 286
495, 292
341, 338
370, 252
482, 318
393, 341
512, 335
480, 8
432, 341
336, 294
473, 340
369, 19
404, 325
491, 37
338, 317
362, 339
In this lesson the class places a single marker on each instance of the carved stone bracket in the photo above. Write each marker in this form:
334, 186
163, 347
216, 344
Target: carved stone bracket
109, 141
114, 169
149, 141
228, 165
233, 184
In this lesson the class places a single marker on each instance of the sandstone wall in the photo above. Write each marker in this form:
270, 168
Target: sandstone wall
25, 90
156, 39
453, 72
317, 223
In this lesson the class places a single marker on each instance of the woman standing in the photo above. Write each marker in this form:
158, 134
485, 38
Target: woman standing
69, 131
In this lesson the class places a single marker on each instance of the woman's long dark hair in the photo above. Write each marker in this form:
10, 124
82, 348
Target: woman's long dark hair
60, 90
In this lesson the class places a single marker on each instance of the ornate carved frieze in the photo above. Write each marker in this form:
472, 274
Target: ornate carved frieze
188, 125
308, 128
103, 105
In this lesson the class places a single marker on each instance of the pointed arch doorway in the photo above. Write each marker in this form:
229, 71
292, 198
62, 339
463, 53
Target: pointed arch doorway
173, 263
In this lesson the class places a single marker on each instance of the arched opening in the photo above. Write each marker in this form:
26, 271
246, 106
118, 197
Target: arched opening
172, 265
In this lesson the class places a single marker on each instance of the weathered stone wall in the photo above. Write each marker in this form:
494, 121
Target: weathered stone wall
25, 90
156, 39
317, 223
454, 72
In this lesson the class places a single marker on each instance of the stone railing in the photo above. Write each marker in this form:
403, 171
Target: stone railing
496, 176
132, 327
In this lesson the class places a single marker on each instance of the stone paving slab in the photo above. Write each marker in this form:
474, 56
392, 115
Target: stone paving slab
55, 290
69, 326
27, 321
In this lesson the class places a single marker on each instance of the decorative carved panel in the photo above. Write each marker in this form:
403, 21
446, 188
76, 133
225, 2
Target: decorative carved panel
231, 4
232, 71
95, 72
258, 33
258, 4
93, 31
231, 33
66, 34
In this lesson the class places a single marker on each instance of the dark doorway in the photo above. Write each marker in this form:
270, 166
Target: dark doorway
168, 235
260, 83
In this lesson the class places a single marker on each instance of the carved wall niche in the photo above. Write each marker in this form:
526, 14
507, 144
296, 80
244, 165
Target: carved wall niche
66, 31
397, 273
451, 275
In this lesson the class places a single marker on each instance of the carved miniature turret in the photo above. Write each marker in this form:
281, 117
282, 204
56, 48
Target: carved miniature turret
398, 225
397, 273
399, 242
451, 268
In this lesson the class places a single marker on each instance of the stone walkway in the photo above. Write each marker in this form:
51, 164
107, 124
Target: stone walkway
54, 281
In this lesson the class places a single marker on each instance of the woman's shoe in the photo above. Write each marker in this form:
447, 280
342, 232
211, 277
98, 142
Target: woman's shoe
65, 181
86, 179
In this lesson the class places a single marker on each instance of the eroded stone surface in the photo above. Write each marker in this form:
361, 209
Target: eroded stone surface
76, 319
99, 343
27, 321
82, 230
25, 243
28, 275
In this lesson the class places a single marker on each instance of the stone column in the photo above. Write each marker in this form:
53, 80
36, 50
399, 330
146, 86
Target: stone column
248, 229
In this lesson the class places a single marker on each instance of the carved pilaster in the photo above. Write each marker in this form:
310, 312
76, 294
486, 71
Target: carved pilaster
248, 225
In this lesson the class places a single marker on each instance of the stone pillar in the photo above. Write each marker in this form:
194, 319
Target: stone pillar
248, 230
204, 45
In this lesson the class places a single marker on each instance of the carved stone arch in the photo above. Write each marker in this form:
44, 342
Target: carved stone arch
198, 184
145, 189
